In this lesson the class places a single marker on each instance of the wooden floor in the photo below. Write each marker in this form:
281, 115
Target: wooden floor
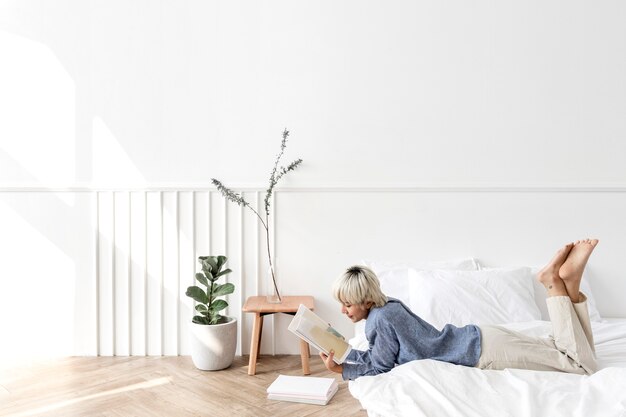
159, 386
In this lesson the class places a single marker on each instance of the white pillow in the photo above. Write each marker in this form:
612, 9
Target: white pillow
394, 277
540, 295
494, 296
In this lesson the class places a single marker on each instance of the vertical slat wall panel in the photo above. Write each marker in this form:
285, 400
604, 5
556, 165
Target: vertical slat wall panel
170, 273
242, 279
249, 265
121, 254
113, 278
146, 246
145, 274
176, 262
129, 256
186, 268
257, 255
274, 264
209, 230
192, 262
232, 232
96, 272
138, 274
105, 274
154, 264
267, 342
201, 233
225, 251
162, 279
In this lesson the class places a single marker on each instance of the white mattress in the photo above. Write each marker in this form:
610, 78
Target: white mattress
432, 388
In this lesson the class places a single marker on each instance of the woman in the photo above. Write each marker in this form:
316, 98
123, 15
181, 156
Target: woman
397, 336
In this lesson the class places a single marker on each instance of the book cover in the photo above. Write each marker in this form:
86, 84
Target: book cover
305, 400
310, 327
303, 389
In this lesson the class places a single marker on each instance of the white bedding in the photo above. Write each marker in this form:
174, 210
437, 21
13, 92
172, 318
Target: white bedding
432, 388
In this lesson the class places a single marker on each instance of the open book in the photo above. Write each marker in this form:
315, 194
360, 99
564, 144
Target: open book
310, 327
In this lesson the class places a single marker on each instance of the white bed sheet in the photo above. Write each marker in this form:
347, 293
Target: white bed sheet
432, 388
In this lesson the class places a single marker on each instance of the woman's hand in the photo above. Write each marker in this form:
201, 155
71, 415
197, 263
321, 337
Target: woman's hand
330, 363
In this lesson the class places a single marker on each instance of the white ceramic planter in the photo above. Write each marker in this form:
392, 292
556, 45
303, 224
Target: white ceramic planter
213, 347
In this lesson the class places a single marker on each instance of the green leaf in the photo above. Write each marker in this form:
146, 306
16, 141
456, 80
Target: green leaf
224, 272
203, 263
221, 260
200, 277
225, 289
218, 305
209, 263
200, 320
201, 307
215, 319
197, 294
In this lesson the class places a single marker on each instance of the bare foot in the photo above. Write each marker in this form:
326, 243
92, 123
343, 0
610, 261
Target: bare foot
571, 272
549, 275
574, 265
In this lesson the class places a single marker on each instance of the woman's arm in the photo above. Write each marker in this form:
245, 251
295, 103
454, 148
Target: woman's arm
379, 358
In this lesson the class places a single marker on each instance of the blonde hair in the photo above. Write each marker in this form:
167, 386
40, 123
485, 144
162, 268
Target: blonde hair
358, 285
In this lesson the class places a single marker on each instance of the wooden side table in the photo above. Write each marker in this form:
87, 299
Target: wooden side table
261, 308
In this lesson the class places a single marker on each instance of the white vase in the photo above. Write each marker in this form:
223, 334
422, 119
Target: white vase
273, 290
213, 346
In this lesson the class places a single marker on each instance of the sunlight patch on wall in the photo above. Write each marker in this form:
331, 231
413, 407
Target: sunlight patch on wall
36, 292
37, 104
112, 167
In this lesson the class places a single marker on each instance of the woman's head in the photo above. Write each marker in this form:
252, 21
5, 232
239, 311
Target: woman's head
358, 289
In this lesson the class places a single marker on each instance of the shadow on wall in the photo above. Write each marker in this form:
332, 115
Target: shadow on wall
83, 103
37, 291
37, 144
83, 60
46, 293
39, 114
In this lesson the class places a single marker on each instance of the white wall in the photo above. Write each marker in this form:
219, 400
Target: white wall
478, 100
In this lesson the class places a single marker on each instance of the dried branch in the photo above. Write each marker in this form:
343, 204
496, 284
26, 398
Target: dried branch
238, 199
275, 176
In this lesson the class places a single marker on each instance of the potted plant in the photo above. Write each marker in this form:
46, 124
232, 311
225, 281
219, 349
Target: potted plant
276, 174
213, 336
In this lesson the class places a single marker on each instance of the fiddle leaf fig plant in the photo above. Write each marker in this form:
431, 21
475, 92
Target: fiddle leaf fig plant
209, 305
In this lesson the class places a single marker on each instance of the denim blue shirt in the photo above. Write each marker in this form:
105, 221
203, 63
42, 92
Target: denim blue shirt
396, 336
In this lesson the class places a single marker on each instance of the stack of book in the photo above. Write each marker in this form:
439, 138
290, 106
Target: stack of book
303, 389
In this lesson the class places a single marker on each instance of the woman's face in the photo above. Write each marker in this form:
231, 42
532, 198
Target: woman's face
356, 312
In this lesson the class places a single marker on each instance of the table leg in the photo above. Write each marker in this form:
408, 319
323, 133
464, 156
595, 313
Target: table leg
254, 344
260, 337
304, 355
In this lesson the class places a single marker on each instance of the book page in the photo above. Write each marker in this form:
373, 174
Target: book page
317, 332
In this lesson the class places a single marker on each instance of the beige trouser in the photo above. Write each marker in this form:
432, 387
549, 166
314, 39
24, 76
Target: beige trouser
570, 349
